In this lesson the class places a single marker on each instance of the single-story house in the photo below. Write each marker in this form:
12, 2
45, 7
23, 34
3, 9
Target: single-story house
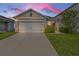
6, 24
32, 21
58, 18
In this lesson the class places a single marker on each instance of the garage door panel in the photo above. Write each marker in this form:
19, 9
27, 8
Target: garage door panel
31, 27
23, 27
38, 27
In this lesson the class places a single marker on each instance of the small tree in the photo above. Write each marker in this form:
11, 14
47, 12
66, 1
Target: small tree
69, 20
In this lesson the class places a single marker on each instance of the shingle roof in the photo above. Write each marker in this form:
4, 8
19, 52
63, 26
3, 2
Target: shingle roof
2, 18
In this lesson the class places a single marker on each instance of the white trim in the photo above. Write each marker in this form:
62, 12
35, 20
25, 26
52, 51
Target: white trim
29, 20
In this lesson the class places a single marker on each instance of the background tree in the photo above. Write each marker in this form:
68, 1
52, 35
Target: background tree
70, 20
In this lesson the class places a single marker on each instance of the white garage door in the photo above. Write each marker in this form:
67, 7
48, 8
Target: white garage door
31, 27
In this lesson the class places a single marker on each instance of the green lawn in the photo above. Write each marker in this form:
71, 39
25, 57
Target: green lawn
65, 44
6, 34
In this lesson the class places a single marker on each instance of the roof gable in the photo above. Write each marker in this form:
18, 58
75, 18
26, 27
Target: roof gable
29, 13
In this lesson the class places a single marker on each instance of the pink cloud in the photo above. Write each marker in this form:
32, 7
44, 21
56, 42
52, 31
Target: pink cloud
40, 6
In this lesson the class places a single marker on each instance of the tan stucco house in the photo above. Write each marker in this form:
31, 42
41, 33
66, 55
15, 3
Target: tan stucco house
32, 21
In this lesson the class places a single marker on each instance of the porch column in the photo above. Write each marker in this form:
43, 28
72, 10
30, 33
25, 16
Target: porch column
45, 23
56, 27
16, 26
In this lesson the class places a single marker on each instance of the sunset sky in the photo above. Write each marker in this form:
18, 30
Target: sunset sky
48, 9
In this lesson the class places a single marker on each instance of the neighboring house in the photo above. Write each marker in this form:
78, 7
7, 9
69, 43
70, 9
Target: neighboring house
58, 18
31, 21
6, 24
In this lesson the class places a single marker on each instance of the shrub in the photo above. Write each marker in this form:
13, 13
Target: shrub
65, 30
49, 29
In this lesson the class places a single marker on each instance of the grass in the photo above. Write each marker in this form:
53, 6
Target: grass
6, 34
65, 44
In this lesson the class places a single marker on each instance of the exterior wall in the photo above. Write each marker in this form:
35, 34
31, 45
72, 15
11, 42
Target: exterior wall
11, 26
27, 15
16, 26
36, 15
4, 27
1, 27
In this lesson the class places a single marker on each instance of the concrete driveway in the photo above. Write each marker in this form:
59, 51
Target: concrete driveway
27, 44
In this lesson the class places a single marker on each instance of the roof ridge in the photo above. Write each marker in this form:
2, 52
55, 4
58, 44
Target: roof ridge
66, 9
